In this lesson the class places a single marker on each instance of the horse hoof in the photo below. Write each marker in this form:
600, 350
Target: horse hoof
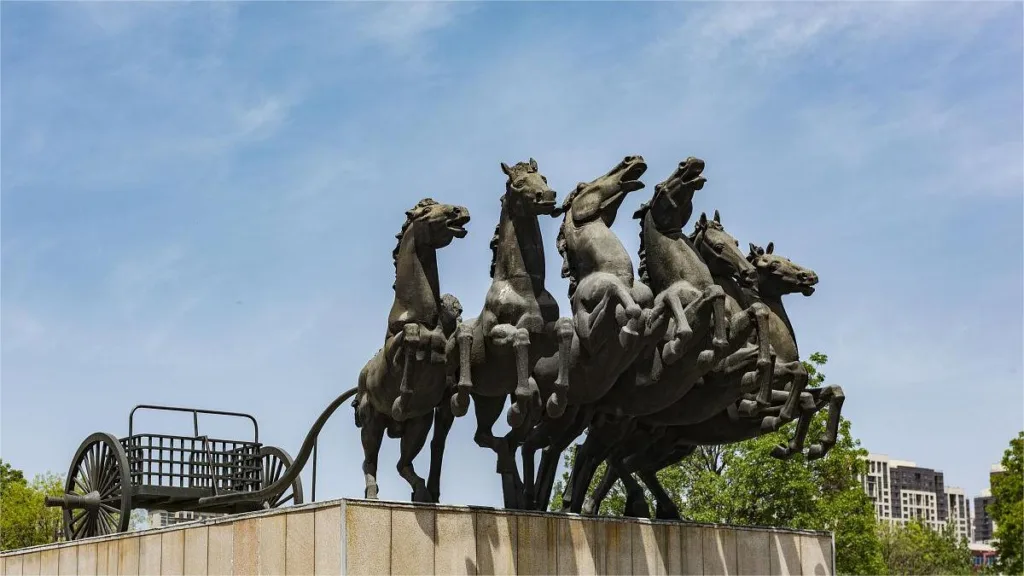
769, 424
370, 493
782, 452
421, 494
670, 353
460, 404
398, 410
628, 337
719, 343
705, 360
555, 406
815, 451
667, 513
637, 509
747, 407
515, 416
589, 508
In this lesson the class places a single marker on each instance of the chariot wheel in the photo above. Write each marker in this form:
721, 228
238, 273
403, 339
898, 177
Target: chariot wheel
276, 463
97, 492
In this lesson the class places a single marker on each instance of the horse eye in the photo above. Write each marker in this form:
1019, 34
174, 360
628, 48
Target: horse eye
518, 183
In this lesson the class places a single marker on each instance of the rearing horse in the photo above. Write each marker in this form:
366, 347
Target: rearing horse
405, 380
611, 313
493, 354
703, 333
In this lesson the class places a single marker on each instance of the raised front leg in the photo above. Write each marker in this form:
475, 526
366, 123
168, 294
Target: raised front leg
460, 400
411, 346
587, 323
796, 443
523, 395
835, 397
754, 320
564, 332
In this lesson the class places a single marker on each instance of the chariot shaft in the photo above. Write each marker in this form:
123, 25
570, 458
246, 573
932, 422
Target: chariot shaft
293, 471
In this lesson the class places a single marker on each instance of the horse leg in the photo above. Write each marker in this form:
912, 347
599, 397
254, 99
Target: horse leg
372, 434
586, 322
552, 453
681, 332
565, 332
627, 315
600, 443
636, 499
808, 408
412, 353
520, 406
665, 507
464, 343
443, 419
754, 320
836, 397
415, 436
592, 505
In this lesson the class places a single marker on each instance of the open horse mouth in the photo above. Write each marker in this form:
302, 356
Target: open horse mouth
693, 174
457, 226
807, 290
634, 167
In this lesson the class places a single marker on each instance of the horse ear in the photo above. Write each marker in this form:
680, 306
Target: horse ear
506, 169
755, 249
533, 164
717, 217
770, 249
703, 221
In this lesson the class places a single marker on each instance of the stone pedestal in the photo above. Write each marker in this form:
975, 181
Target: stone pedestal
374, 537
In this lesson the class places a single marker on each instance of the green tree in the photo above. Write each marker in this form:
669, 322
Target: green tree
24, 519
1007, 509
742, 484
916, 549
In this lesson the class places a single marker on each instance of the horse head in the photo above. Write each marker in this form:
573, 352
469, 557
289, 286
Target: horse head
526, 191
672, 203
721, 252
436, 224
602, 196
778, 275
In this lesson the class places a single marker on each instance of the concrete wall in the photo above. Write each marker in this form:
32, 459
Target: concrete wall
361, 537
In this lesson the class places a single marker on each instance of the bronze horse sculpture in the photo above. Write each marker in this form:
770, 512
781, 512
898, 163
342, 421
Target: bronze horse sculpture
711, 414
403, 383
612, 317
703, 333
492, 356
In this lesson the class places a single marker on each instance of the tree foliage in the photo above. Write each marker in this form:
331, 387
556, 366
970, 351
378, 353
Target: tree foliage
1007, 508
742, 484
914, 548
24, 519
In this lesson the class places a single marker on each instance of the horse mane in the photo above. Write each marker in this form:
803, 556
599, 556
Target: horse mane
494, 243
409, 218
568, 270
515, 169
641, 214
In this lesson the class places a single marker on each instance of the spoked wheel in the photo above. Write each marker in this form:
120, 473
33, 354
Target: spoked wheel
275, 463
97, 492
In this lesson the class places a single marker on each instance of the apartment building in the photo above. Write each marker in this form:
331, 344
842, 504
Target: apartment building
984, 527
901, 490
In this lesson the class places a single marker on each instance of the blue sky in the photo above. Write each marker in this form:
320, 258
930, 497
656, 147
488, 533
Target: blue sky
200, 200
